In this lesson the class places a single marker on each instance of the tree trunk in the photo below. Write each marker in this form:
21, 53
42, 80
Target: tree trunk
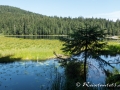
85, 66
85, 62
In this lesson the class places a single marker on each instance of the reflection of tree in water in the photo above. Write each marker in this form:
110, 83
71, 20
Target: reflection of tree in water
38, 36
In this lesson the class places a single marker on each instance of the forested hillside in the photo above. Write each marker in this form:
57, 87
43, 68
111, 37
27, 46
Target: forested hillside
15, 21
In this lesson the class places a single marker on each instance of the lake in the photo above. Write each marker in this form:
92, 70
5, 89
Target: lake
41, 75
38, 36
96, 75
29, 75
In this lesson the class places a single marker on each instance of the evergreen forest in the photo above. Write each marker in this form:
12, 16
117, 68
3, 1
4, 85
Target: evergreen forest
15, 21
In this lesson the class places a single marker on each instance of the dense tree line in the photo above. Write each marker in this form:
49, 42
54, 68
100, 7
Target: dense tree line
15, 21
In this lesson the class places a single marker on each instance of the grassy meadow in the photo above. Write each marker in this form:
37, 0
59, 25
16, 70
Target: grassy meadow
113, 47
38, 49
28, 49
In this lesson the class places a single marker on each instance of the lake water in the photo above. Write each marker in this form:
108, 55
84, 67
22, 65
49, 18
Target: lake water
29, 75
38, 37
34, 75
97, 76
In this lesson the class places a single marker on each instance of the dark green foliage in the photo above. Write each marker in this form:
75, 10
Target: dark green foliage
92, 36
113, 78
89, 42
15, 21
74, 73
74, 69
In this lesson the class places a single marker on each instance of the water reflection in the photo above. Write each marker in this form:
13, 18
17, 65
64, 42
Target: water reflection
31, 75
28, 75
96, 75
38, 37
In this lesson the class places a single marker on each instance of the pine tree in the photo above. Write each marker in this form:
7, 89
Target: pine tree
87, 41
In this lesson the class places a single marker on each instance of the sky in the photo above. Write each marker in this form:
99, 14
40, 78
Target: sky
108, 9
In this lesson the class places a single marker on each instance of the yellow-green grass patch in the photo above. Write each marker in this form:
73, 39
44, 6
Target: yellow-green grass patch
28, 49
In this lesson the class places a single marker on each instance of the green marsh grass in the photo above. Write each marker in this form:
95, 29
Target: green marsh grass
113, 48
38, 49
28, 49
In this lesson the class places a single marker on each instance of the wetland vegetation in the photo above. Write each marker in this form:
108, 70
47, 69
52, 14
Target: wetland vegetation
39, 49
29, 49
32, 60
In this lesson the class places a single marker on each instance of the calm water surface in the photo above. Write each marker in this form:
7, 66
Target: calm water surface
31, 75
96, 75
39, 37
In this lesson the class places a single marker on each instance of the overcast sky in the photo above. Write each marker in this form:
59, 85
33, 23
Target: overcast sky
109, 9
